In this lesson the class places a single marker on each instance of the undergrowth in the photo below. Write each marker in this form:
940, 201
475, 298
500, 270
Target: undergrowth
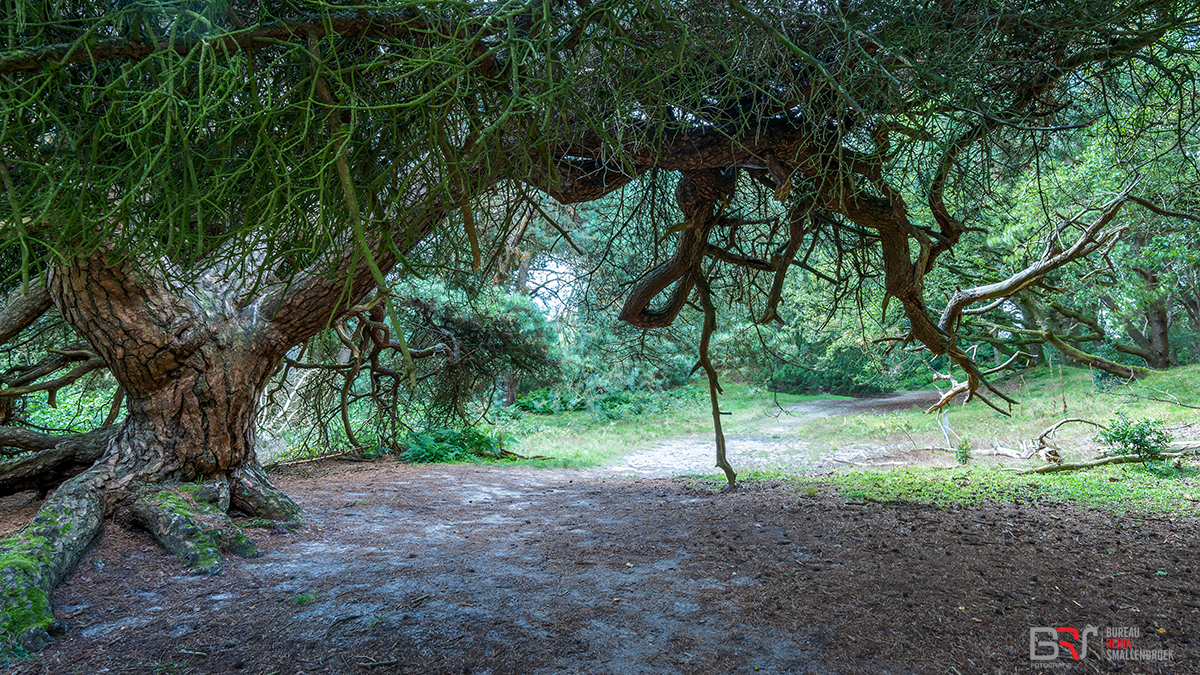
450, 445
1144, 437
1120, 488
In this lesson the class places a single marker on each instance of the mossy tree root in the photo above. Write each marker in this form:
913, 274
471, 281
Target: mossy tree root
39, 556
190, 521
251, 493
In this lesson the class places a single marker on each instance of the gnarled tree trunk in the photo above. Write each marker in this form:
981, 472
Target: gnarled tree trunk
190, 359
193, 360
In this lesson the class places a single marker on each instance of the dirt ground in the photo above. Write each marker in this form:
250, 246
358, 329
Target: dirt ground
489, 569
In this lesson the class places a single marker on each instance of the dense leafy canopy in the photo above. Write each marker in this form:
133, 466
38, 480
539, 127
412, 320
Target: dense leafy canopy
855, 142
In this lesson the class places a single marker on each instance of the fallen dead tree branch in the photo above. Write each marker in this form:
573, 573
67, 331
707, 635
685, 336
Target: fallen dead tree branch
1052, 429
1181, 449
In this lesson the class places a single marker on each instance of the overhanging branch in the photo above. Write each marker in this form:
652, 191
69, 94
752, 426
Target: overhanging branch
345, 24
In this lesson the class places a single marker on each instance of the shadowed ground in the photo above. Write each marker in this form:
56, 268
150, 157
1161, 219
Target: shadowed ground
466, 569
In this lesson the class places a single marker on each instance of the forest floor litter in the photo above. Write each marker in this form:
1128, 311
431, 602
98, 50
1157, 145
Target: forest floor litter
498, 570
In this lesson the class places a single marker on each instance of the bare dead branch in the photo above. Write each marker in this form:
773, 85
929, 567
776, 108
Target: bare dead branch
1118, 459
1012, 359
1052, 429
1093, 237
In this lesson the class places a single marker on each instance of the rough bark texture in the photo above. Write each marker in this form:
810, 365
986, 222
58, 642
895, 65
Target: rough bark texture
185, 359
60, 457
23, 308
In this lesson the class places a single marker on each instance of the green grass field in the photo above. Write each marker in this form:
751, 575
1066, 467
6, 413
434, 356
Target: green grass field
1046, 395
586, 438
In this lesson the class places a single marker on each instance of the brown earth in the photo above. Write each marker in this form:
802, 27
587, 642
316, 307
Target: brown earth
487, 569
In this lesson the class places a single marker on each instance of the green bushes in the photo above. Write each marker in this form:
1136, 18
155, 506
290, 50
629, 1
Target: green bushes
613, 405
450, 445
843, 378
550, 402
1145, 438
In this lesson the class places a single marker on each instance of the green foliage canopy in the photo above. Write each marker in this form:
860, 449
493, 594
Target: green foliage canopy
210, 138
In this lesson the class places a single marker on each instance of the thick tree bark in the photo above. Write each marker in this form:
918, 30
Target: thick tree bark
56, 459
187, 361
193, 359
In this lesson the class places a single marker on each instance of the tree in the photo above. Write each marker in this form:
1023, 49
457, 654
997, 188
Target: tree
203, 186
1141, 286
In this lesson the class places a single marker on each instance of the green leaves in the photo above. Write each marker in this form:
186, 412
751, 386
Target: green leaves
450, 445
1144, 437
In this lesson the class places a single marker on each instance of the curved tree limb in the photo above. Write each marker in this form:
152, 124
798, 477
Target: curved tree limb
22, 309
55, 458
1115, 459
1100, 363
1093, 237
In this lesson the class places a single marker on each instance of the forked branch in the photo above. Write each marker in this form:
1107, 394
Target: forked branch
1093, 238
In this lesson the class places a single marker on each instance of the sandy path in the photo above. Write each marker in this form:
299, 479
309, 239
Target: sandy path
770, 447
455, 570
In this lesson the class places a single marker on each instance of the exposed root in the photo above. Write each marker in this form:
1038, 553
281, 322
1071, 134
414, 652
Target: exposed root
190, 521
35, 560
251, 493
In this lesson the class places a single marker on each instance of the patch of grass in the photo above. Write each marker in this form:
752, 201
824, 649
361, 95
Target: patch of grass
1045, 395
586, 438
1120, 489
305, 599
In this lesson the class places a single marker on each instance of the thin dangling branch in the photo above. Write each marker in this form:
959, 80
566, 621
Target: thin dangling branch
714, 387
351, 194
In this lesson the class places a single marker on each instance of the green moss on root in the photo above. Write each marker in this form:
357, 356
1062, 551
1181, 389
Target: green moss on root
241, 545
24, 605
203, 528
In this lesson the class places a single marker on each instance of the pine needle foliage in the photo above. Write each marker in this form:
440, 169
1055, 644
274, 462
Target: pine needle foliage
247, 141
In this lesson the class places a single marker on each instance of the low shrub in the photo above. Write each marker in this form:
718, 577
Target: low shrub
450, 445
1145, 438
